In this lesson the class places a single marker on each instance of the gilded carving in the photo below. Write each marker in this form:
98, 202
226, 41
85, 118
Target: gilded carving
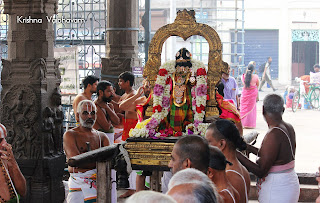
150, 156
149, 153
186, 26
147, 146
148, 159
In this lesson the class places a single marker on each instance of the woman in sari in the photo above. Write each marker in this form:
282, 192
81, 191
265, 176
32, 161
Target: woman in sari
249, 97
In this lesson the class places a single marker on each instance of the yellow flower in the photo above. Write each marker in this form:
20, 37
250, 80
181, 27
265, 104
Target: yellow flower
143, 123
140, 125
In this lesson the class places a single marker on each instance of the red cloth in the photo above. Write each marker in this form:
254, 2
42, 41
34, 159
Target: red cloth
288, 102
229, 110
128, 124
306, 78
142, 108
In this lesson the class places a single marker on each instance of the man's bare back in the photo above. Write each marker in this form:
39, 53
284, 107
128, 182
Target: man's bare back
236, 180
276, 140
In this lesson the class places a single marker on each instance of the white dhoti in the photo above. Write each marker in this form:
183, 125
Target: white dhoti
82, 187
167, 175
280, 187
132, 180
113, 174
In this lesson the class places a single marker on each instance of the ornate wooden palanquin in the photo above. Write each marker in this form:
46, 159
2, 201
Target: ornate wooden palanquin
154, 155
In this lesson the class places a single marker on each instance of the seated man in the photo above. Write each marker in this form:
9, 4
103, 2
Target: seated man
10, 171
315, 77
312, 78
82, 181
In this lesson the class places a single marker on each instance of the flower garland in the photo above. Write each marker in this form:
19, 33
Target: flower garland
161, 101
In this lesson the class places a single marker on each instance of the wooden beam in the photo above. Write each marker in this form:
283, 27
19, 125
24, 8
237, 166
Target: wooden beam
99, 155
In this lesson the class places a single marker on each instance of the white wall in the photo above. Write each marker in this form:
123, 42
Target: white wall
260, 14
281, 14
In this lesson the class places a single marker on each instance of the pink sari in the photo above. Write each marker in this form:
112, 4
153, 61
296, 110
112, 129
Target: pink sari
248, 100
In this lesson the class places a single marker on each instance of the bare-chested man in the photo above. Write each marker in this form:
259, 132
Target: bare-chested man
90, 86
277, 179
79, 140
126, 80
130, 119
138, 103
106, 116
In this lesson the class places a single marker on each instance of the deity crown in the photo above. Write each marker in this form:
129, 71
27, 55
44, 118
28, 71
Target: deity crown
183, 57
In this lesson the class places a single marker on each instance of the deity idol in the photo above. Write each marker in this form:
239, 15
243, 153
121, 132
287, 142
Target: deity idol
180, 113
179, 99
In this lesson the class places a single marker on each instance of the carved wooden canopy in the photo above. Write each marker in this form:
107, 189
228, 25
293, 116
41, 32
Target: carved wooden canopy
185, 26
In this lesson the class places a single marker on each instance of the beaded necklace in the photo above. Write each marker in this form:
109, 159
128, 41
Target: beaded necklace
6, 176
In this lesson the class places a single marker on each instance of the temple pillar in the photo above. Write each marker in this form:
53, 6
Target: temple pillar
31, 100
121, 39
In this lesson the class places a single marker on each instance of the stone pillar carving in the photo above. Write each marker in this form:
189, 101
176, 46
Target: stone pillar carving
121, 39
29, 109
